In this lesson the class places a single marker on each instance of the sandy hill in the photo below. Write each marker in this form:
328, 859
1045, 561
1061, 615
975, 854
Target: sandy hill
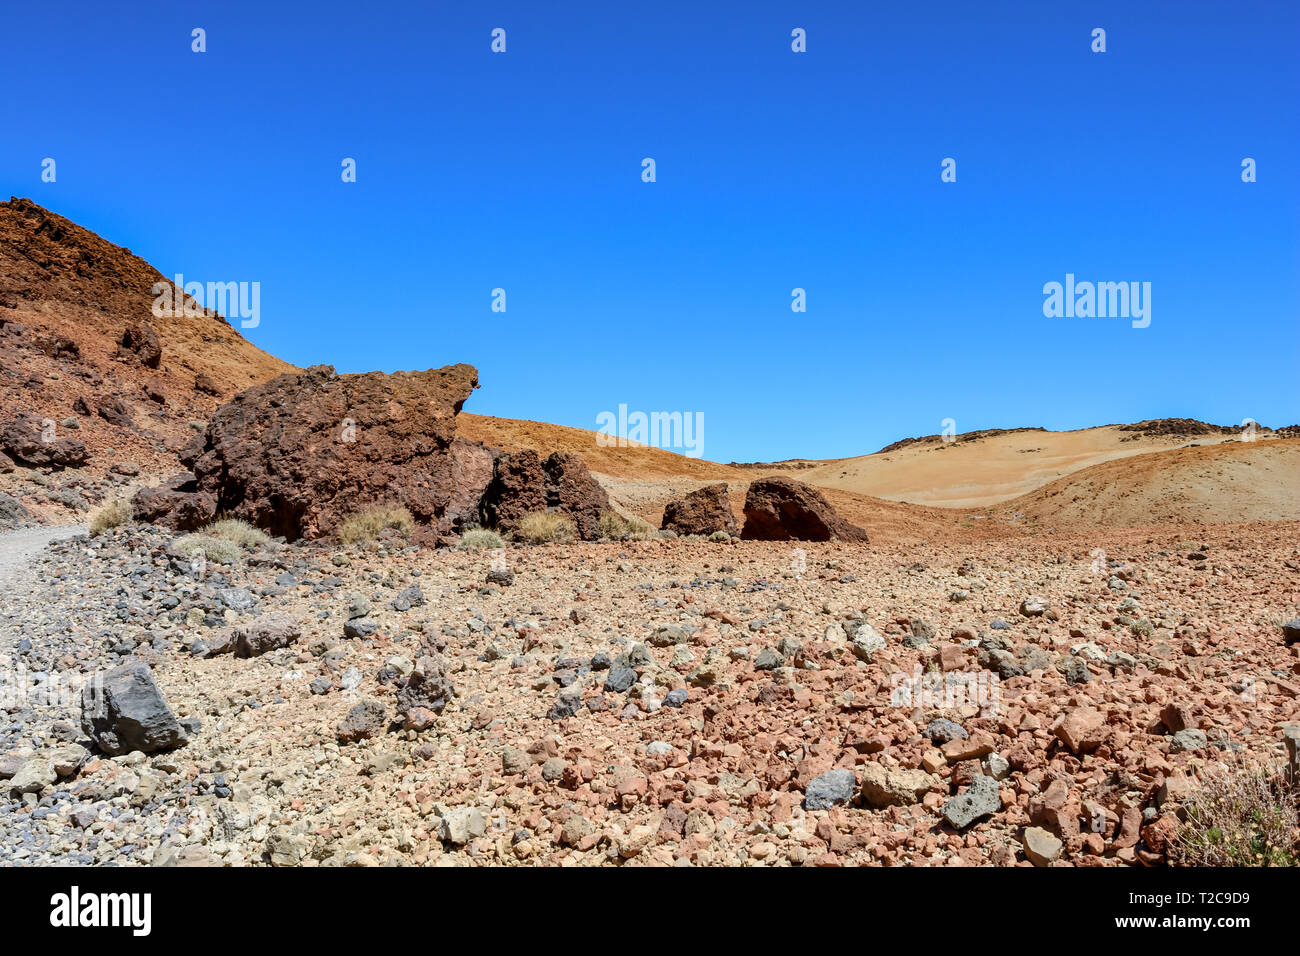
1206, 484
991, 467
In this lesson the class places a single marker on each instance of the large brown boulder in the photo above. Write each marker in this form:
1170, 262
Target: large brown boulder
31, 441
299, 453
703, 511
177, 504
782, 509
522, 483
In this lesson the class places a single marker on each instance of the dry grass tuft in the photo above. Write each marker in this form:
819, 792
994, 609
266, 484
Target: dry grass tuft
367, 524
112, 515
546, 527
1244, 813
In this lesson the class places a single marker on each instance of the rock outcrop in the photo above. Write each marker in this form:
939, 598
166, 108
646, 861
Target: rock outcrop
299, 453
782, 509
702, 511
522, 483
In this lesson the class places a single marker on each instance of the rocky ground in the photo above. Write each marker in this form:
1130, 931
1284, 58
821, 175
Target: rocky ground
1029, 701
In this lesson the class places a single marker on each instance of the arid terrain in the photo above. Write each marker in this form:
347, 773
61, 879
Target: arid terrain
1013, 647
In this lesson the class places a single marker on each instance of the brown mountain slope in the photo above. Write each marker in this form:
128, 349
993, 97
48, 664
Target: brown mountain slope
637, 462
1207, 484
67, 297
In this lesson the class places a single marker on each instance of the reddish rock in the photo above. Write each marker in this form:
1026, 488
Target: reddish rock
782, 509
116, 412
204, 383
31, 441
702, 511
301, 452
523, 484
140, 341
1082, 730
177, 504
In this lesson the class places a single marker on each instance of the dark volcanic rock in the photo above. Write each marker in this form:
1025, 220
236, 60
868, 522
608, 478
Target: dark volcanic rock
782, 509
141, 341
122, 710
703, 511
522, 483
299, 453
175, 504
23, 438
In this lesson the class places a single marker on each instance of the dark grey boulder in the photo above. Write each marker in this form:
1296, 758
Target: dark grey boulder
123, 710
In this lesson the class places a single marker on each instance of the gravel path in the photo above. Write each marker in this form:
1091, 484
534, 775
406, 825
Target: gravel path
19, 547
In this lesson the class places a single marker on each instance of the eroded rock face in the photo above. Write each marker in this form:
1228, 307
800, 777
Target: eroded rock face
522, 483
782, 509
301, 452
23, 438
703, 511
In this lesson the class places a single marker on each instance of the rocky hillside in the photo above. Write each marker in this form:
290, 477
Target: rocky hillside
82, 352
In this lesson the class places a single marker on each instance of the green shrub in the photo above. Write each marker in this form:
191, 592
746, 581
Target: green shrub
111, 515
546, 527
478, 538
215, 550
719, 536
237, 532
366, 525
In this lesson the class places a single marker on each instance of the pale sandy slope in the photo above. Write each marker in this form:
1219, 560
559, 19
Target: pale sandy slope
1210, 484
984, 471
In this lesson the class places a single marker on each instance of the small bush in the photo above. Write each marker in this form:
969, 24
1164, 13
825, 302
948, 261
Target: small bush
238, 532
366, 525
215, 550
111, 515
546, 527
719, 536
617, 528
1243, 814
480, 538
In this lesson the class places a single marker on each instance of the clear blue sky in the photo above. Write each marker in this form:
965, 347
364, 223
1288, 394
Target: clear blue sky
775, 170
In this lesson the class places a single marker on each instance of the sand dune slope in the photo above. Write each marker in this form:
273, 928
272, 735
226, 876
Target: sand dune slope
1209, 484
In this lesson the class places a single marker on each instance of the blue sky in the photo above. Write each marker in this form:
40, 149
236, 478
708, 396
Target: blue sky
775, 170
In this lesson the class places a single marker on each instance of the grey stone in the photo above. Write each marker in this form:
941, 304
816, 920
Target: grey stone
834, 788
123, 710
980, 800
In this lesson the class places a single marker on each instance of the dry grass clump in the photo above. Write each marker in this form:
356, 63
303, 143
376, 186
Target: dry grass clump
477, 538
213, 549
112, 515
366, 525
615, 527
237, 532
1244, 813
546, 527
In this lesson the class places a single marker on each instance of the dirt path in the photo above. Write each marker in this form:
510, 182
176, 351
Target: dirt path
17, 548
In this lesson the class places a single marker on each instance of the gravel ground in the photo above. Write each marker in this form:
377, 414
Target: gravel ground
658, 702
